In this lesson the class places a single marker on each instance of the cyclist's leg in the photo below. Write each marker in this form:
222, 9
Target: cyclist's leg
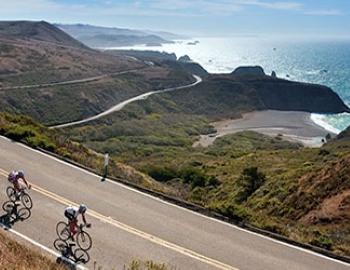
17, 188
74, 226
70, 219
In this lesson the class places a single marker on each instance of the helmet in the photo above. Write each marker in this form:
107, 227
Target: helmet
20, 173
82, 208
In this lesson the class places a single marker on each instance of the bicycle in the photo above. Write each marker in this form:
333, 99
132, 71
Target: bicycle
84, 240
66, 249
22, 195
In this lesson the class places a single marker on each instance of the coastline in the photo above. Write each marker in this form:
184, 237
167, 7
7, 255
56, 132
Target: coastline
293, 126
319, 119
232, 52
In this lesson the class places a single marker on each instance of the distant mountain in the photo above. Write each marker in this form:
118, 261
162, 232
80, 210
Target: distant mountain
97, 36
39, 52
166, 35
36, 31
36, 55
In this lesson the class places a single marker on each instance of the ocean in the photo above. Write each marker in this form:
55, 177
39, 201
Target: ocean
323, 62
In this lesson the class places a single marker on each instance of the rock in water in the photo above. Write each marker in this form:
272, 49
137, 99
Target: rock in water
273, 74
185, 58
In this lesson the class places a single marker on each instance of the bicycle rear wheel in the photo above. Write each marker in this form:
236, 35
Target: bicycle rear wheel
27, 201
84, 240
81, 255
11, 193
62, 231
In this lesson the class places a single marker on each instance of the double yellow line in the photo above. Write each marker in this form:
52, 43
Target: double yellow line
129, 229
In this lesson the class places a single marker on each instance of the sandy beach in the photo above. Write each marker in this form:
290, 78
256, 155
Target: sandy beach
294, 126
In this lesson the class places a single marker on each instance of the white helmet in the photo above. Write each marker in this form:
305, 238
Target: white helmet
82, 208
20, 174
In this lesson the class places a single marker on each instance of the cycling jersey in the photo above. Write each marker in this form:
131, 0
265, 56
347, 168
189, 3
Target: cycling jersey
13, 176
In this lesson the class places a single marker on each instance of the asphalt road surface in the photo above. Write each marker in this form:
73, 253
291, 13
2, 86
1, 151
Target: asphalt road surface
122, 104
127, 224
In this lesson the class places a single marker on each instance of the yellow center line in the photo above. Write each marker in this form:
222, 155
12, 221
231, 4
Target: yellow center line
127, 228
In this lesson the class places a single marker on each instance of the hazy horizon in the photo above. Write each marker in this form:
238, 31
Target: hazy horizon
293, 18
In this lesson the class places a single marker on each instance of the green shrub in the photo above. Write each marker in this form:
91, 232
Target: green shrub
19, 132
189, 175
148, 265
322, 241
323, 152
273, 227
250, 181
162, 174
193, 176
233, 211
41, 142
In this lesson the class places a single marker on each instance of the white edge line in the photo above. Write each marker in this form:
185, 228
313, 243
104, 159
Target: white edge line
182, 208
52, 252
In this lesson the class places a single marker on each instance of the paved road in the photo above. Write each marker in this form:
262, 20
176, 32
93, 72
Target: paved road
121, 105
128, 224
71, 82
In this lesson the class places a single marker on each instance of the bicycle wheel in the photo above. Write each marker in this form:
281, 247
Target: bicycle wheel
11, 193
84, 240
23, 214
27, 201
8, 206
62, 231
81, 255
60, 246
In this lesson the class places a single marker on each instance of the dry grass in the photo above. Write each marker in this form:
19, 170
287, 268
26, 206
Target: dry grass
16, 256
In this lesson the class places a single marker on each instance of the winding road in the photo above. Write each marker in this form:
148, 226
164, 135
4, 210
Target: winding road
121, 105
128, 224
71, 82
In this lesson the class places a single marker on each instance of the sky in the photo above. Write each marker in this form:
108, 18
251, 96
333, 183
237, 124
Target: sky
328, 18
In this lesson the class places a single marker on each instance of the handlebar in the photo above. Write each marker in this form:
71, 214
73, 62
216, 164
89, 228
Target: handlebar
81, 226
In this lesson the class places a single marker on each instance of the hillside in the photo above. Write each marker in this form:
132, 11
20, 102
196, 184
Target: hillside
222, 96
38, 52
33, 59
156, 136
101, 37
274, 184
11, 251
36, 31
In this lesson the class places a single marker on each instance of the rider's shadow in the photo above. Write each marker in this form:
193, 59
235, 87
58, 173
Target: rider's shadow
14, 213
67, 264
71, 255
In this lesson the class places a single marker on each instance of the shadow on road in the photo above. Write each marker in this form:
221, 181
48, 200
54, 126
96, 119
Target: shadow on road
14, 212
71, 254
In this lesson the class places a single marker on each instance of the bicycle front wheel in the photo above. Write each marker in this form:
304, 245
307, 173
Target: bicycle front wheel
84, 240
27, 201
62, 231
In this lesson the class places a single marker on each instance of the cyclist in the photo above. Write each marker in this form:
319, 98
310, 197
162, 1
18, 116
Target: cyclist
14, 176
72, 213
